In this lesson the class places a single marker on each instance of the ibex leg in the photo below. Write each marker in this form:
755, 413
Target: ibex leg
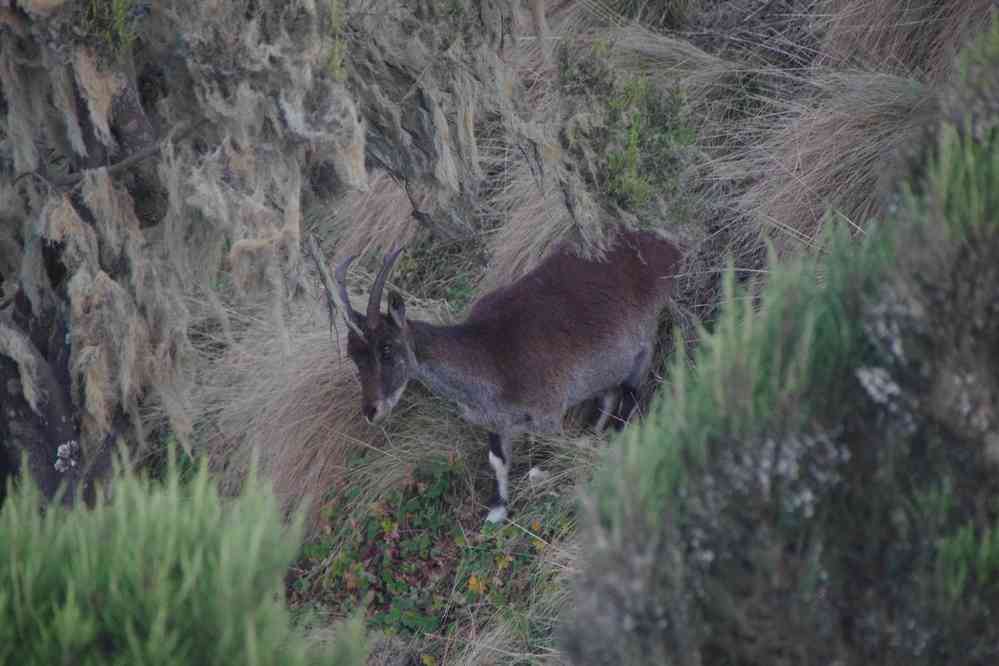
500, 454
605, 406
630, 386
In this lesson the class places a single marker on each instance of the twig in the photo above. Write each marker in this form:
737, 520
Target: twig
71, 181
316, 253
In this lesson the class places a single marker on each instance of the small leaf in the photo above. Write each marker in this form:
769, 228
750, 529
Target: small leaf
503, 561
476, 585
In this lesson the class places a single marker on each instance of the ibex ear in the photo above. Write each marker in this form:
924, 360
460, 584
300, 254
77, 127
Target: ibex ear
397, 309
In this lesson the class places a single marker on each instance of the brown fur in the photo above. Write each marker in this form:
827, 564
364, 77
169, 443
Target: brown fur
570, 330
534, 333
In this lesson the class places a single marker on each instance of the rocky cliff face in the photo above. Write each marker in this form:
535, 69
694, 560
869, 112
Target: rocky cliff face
159, 160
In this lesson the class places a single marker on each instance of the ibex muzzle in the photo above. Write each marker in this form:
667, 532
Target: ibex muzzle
570, 330
380, 346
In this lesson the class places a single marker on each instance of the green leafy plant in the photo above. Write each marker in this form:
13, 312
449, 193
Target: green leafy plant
163, 572
335, 62
113, 22
652, 133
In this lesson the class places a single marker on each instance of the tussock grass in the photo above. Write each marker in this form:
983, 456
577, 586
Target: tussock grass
919, 39
785, 145
288, 393
836, 150
671, 62
534, 220
364, 222
530, 203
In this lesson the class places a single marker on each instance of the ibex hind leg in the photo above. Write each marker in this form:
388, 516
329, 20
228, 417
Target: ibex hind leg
500, 454
605, 408
630, 386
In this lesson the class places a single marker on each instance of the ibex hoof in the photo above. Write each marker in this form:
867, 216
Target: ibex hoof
537, 475
496, 515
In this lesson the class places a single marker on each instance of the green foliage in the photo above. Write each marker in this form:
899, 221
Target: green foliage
335, 62
112, 22
453, 9
418, 563
652, 132
586, 73
967, 559
821, 487
645, 133
658, 14
434, 269
161, 573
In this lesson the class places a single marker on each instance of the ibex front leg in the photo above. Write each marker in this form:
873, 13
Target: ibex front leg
500, 453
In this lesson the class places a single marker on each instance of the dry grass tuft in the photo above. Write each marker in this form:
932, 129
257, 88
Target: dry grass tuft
295, 405
15, 346
533, 207
836, 151
60, 223
788, 145
668, 62
919, 39
366, 222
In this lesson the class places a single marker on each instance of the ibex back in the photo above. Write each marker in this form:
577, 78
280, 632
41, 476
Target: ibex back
570, 330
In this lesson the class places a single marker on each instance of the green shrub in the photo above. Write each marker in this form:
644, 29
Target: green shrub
822, 487
338, 50
162, 573
649, 136
111, 22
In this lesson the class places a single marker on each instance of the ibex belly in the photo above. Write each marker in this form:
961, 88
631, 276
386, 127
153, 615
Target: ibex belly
608, 369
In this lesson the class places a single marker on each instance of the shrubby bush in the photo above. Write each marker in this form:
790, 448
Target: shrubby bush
163, 572
822, 487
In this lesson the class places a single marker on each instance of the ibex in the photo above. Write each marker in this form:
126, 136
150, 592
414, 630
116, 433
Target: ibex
570, 330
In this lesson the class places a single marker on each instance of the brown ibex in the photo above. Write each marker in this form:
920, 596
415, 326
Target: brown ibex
570, 330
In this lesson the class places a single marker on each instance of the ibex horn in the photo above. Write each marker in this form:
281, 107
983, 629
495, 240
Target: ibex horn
349, 314
375, 300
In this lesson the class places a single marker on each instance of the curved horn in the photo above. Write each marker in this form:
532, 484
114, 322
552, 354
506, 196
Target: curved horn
375, 300
349, 314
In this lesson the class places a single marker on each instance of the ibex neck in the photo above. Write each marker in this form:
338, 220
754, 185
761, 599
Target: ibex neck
452, 363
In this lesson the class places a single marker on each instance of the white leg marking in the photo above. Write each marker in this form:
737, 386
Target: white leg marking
502, 476
607, 401
537, 475
496, 514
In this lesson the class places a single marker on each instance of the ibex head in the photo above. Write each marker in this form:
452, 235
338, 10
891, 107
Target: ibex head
380, 346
